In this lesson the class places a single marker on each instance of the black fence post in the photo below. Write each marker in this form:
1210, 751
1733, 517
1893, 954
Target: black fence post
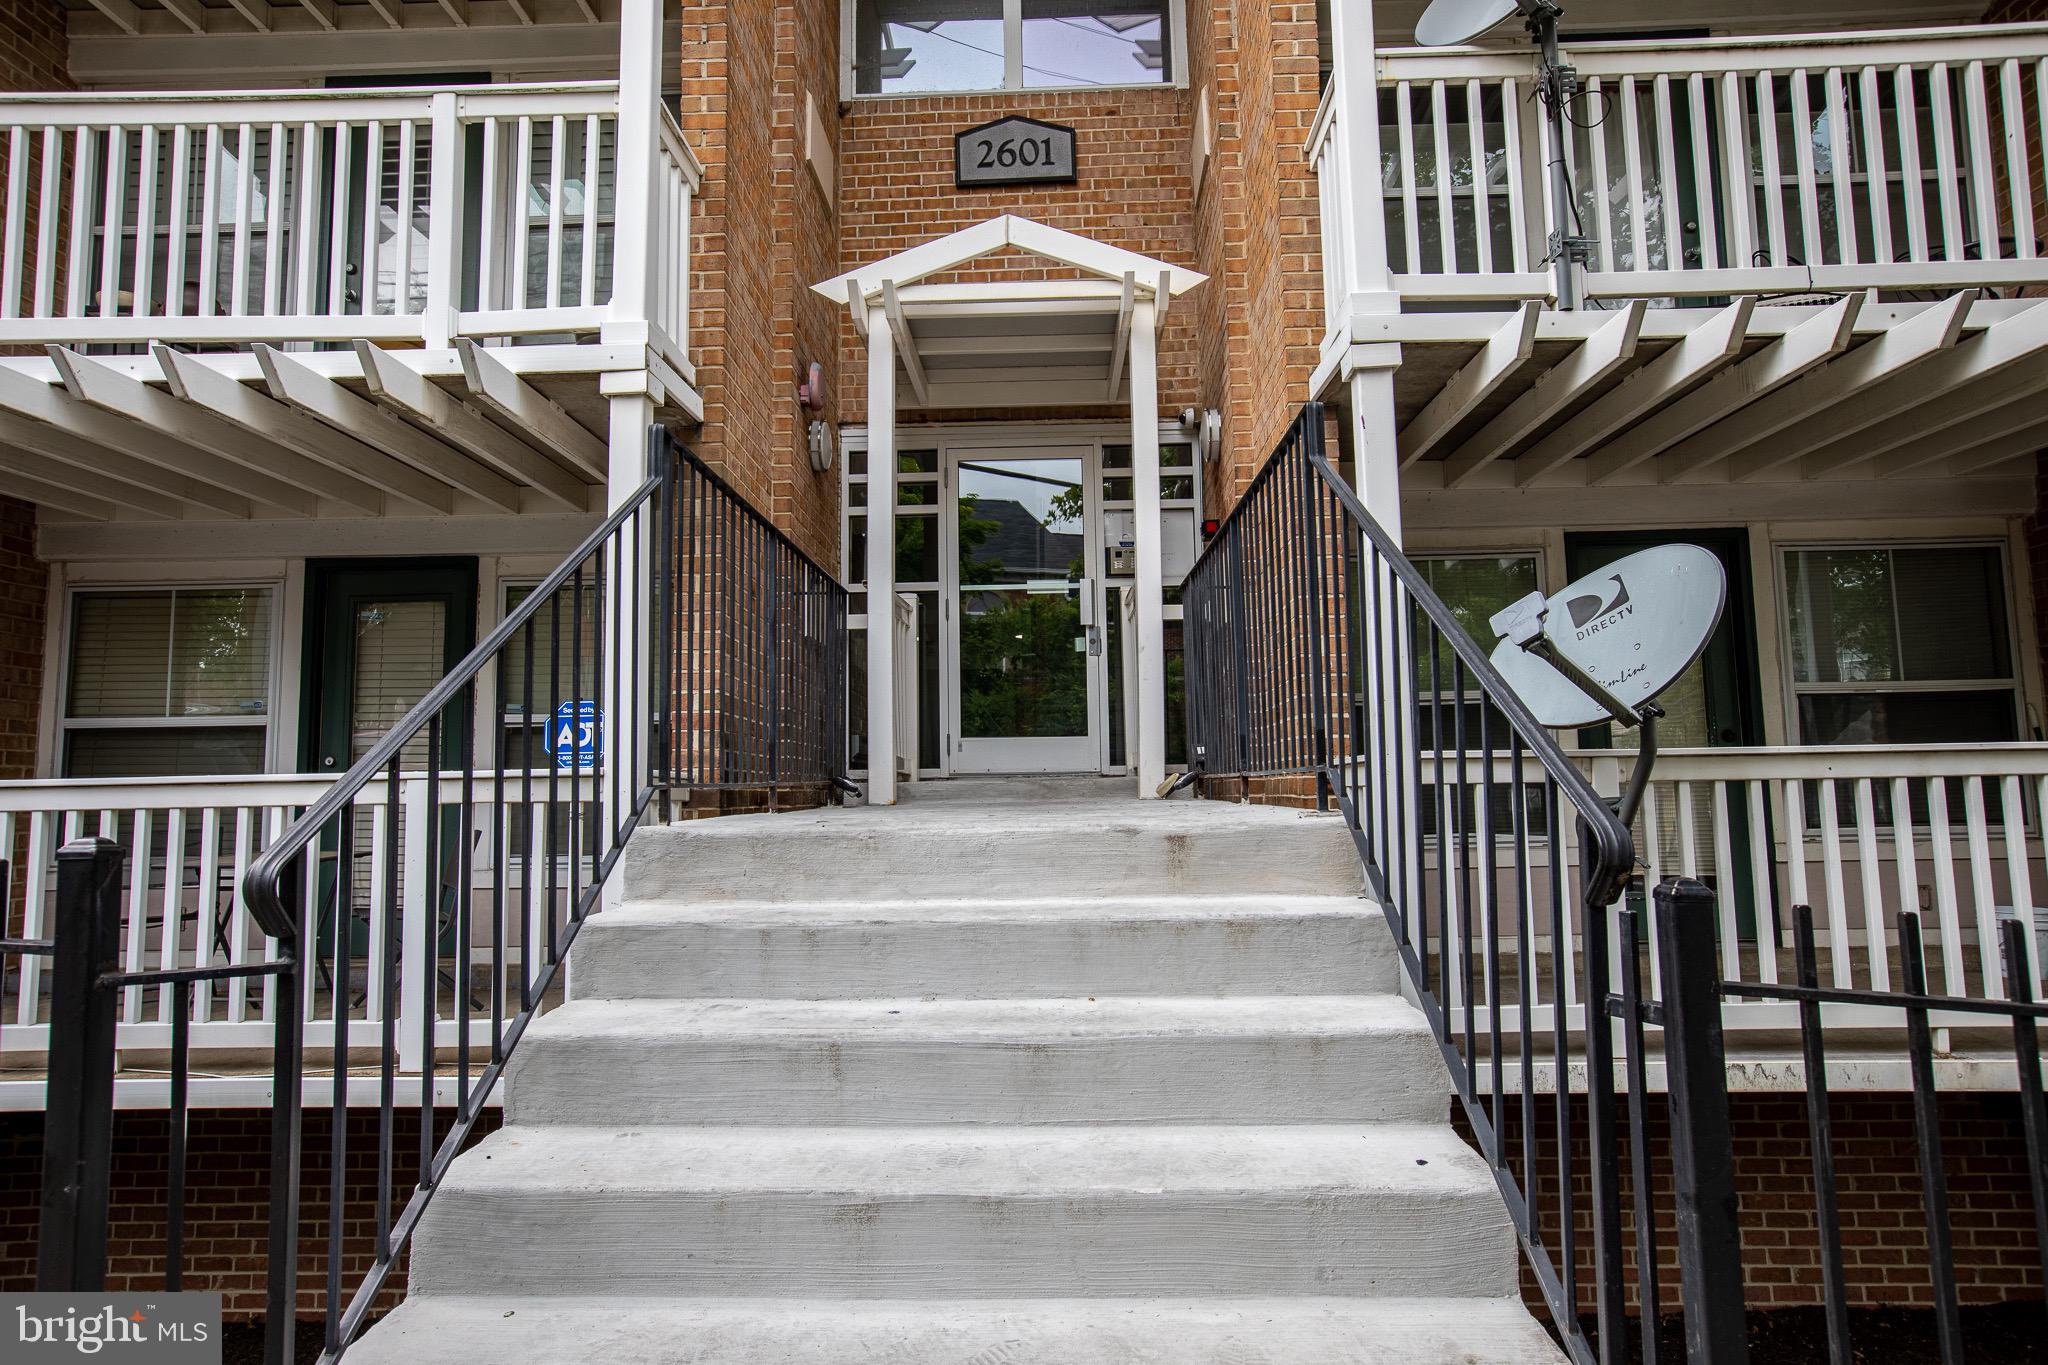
78, 1122
1702, 1152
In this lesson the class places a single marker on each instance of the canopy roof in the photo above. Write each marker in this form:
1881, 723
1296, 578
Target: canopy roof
1011, 343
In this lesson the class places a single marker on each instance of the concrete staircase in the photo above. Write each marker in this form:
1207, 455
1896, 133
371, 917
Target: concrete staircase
1013, 1073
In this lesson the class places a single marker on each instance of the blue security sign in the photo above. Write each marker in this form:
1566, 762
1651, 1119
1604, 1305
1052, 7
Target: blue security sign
576, 738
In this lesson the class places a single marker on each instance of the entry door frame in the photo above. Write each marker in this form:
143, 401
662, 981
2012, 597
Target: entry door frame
323, 682
1091, 753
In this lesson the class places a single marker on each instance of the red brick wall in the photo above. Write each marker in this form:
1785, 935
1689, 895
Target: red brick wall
24, 595
1883, 1237
806, 251
227, 1201
763, 236
1883, 1229
33, 46
1257, 225
1132, 190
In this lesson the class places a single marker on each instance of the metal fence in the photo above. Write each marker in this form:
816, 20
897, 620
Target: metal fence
451, 868
1317, 650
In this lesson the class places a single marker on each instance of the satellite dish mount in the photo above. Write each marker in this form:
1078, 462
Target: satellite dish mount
1609, 644
1522, 625
1450, 22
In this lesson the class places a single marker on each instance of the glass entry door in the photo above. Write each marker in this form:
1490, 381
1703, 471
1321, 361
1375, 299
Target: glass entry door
1023, 624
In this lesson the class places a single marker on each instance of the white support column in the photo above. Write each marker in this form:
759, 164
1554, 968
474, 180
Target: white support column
633, 273
1356, 74
444, 225
1151, 672
1375, 453
881, 558
628, 720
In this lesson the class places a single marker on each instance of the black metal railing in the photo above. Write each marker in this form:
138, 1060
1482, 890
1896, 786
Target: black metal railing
1317, 649
2016, 1017
417, 915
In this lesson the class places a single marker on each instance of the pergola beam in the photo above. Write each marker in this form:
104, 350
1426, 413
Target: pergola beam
108, 469
1791, 355
1978, 458
2016, 341
61, 496
1119, 346
1597, 357
1991, 424
257, 12
390, 12
1924, 422
126, 16
190, 13
323, 12
291, 381
1756, 443
397, 384
906, 344
1704, 351
338, 466
122, 413
501, 391
1469, 387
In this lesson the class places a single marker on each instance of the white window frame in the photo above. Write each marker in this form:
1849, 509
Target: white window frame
1176, 75
62, 724
2014, 682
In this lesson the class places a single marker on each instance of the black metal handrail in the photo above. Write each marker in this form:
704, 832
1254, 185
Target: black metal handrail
685, 643
1316, 648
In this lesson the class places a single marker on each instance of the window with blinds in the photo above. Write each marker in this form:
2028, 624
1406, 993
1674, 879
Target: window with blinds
1900, 644
168, 683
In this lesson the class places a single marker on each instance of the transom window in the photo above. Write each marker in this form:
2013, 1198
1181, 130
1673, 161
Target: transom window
168, 683
1900, 645
918, 46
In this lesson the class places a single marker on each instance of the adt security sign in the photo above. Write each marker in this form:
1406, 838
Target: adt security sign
577, 736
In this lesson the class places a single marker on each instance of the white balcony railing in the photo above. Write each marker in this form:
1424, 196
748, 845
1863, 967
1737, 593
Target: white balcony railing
1900, 160
403, 216
1952, 833
188, 842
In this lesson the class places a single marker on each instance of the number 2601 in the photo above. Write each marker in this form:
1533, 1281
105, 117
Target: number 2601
1010, 153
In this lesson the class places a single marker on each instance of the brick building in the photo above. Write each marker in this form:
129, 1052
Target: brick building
331, 326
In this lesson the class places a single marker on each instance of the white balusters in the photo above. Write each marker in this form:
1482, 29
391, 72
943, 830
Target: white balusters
1872, 166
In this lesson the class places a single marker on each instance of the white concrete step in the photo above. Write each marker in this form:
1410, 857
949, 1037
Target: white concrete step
944, 1212
621, 1331
1119, 1059
980, 949
949, 849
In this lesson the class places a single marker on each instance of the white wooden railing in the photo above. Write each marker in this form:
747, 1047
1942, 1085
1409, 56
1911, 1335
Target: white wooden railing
1898, 160
403, 215
189, 841
1952, 833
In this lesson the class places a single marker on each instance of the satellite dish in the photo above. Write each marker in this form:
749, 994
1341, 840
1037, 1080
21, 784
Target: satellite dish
1447, 23
1633, 627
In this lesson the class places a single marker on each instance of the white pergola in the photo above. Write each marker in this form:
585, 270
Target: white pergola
1064, 342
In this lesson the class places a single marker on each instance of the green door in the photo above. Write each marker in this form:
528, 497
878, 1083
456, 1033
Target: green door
1714, 704
379, 635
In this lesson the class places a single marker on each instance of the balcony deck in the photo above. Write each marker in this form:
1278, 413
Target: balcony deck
1807, 267
329, 303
